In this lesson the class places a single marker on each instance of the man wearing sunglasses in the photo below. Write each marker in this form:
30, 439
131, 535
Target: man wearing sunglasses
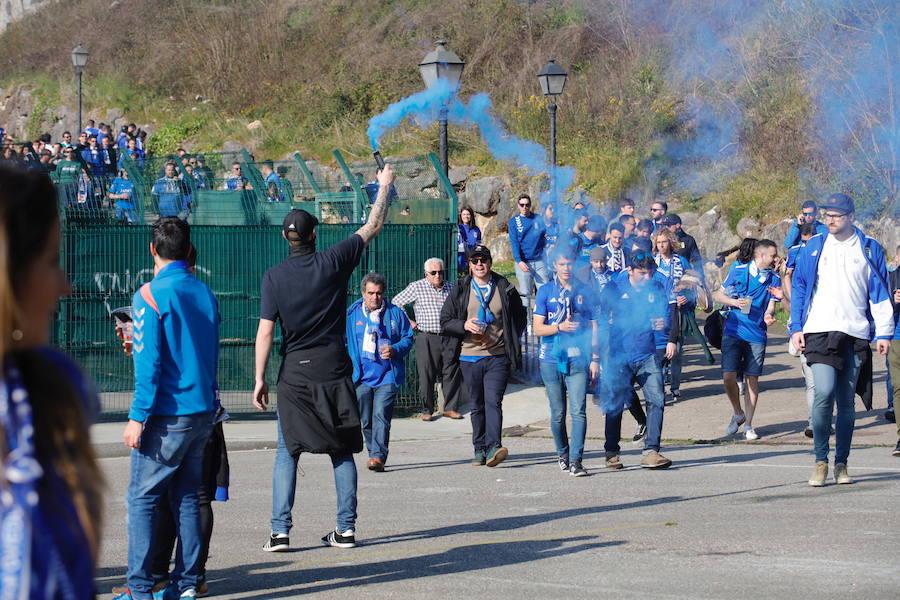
527, 239
434, 351
658, 210
840, 295
485, 315
807, 215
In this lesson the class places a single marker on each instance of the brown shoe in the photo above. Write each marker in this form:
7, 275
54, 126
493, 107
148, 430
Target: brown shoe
614, 462
655, 460
426, 416
452, 414
375, 464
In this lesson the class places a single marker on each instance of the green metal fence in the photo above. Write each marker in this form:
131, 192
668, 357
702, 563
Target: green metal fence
108, 263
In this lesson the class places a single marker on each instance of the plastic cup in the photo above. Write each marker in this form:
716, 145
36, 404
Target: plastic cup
746, 308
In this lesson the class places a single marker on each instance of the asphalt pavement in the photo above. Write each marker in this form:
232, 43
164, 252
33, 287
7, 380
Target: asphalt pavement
729, 519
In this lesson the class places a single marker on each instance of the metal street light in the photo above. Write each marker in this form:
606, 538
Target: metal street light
79, 60
552, 79
442, 63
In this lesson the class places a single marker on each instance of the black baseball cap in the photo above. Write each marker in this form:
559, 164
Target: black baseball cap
841, 203
300, 222
482, 251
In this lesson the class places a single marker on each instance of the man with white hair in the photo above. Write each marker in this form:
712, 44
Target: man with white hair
434, 351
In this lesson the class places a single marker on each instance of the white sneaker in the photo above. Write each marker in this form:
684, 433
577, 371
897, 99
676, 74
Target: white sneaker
749, 434
736, 421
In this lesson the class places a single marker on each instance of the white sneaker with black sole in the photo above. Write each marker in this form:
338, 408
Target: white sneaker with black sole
278, 542
340, 540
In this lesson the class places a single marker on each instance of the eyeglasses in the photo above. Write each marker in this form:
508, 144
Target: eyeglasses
434, 272
526, 204
480, 260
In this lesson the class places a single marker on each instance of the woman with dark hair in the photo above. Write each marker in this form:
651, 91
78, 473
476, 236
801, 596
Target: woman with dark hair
50, 484
468, 236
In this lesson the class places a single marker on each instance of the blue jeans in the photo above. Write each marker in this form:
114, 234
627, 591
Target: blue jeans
536, 276
284, 486
169, 461
573, 385
617, 382
486, 382
835, 387
376, 408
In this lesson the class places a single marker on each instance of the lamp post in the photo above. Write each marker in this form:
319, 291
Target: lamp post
79, 60
552, 79
442, 63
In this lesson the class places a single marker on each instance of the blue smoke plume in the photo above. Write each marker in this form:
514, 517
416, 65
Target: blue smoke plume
424, 108
854, 63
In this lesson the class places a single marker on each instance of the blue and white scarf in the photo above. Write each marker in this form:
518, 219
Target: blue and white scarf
374, 330
485, 315
22, 519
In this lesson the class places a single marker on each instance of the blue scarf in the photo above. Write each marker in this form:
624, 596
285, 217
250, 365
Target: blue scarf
484, 310
23, 517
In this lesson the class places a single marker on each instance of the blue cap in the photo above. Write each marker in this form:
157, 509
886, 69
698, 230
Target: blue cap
841, 203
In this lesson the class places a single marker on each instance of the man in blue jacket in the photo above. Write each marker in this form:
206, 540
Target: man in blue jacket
527, 238
379, 336
840, 294
808, 214
175, 348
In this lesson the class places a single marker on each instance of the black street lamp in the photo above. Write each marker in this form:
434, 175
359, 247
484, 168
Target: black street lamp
442, 63
552, 79
79, 60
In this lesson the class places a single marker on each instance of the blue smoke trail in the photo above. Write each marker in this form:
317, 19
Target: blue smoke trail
422, 106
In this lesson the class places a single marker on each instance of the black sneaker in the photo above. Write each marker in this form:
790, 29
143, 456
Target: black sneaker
889, 416
639, 432
896, 451
340, 540
576, 470
278, 542
808, 432
563, 462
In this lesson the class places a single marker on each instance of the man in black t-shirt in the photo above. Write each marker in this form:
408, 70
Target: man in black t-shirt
317, 409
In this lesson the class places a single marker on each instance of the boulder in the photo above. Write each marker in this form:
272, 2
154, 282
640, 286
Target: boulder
748, 227
458, 175
506, 207
713, 234
500, 250
483, 194
489, 226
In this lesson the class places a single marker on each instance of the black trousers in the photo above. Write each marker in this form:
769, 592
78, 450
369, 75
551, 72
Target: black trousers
431, 362
486, 380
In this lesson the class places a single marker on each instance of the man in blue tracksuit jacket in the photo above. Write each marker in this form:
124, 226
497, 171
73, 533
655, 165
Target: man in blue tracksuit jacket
839, 296
379, 336
527, 238
175, 347
807, 215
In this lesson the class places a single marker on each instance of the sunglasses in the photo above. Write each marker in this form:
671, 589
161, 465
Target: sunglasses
656, 210
524, 203
434, 272
808, 214
480, 260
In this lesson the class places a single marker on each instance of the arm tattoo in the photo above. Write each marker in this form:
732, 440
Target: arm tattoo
376, 216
